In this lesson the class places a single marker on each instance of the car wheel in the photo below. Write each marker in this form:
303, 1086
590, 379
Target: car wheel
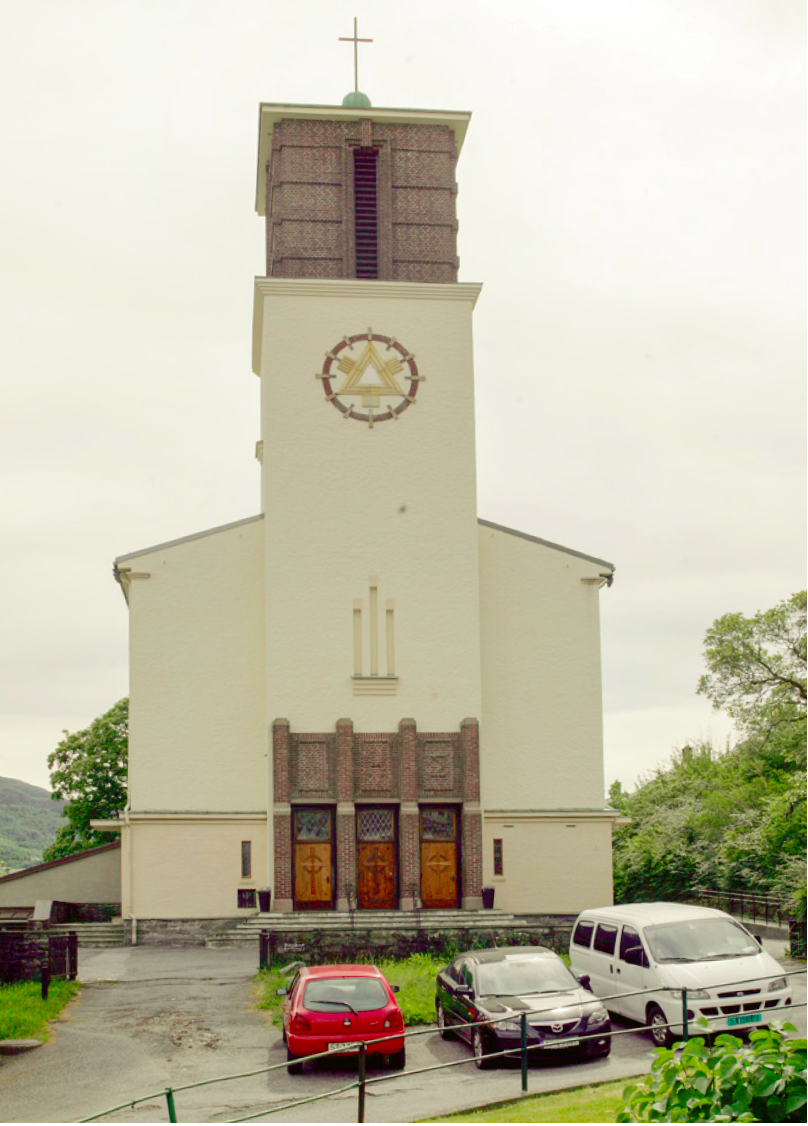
294, 1064
480, 1049
445, 1034
660, 1033
398, 1060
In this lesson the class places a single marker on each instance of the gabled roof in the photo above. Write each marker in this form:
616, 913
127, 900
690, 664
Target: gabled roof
57, 863
547, 543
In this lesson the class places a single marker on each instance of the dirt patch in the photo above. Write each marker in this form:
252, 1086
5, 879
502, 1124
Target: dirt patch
181, 1030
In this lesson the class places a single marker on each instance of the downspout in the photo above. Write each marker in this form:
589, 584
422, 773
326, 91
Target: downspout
128, 861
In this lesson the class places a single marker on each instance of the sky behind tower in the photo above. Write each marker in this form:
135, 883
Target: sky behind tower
632, 192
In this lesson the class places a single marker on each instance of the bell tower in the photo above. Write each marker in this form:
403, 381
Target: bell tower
363, 344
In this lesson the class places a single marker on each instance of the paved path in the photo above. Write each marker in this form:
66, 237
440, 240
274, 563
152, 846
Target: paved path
149, 1018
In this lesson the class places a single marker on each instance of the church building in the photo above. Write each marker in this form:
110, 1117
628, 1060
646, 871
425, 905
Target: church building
363, 696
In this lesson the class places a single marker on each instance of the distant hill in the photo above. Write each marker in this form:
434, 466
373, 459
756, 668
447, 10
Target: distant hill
28, 822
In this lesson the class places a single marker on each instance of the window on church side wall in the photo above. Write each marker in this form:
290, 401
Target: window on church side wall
498, 870
366, 215
246, 860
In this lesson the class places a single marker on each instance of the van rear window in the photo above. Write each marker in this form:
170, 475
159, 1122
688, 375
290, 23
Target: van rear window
605, 938
583, 933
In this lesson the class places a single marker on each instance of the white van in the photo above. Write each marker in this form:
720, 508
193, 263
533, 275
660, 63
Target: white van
640, 956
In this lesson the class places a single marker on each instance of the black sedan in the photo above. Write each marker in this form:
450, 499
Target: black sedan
496, 986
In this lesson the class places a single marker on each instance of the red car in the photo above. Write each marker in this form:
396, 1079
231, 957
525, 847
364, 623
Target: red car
335, 1008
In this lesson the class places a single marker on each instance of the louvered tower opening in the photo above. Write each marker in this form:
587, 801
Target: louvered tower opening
366, 218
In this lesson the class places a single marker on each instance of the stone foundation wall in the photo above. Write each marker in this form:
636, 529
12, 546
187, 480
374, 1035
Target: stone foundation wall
174, 932
323, 947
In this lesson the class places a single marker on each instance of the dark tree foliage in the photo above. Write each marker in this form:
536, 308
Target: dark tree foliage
88, 772
733, 821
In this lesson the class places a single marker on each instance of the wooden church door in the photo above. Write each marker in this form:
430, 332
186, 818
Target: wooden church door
438, 857
376, 859
313, 859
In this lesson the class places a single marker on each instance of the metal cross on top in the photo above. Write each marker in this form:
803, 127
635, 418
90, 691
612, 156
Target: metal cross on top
356, 41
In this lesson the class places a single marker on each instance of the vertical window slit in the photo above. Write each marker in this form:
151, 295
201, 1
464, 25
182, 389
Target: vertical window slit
366, 219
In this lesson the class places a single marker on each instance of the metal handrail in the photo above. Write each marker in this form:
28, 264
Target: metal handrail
362, 1082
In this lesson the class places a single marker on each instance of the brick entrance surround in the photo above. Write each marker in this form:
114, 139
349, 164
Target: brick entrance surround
406, 769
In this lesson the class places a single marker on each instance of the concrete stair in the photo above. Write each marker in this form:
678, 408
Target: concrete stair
247, 932
93, 934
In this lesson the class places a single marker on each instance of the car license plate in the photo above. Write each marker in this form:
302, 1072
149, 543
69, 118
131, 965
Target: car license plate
749, 1018
561, 1046
345, 1046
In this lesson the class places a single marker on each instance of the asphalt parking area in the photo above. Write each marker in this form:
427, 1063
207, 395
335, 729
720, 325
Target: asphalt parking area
150, 1018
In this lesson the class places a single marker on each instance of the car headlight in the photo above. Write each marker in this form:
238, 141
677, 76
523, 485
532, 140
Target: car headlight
506, 1026
778, 983
598, 1015
692, 994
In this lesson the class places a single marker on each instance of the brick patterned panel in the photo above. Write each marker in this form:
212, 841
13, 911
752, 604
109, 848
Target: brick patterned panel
440, 767
472, 853
315, 240
424, 244
310, 165
376, 772
423, 205
409, 760
280, 752
409, 855
283, 856
312, 759
345, 757
315, 268
470, 749
423, 138
346, 858
308, 201
422, 169
424, 272
309, 181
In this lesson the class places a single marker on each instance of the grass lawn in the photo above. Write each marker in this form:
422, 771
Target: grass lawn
23, 1013
600, 1103
415, 977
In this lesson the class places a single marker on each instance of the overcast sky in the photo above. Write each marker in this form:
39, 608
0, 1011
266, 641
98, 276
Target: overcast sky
632, 196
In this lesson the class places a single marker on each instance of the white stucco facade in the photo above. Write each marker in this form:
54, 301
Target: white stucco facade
363, 656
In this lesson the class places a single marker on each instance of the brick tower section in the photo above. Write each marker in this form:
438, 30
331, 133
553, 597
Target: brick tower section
282, 816
472, 831
346, 818
409, 851
310, 200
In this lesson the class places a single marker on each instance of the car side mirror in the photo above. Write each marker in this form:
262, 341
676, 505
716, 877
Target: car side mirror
395, 988
758, 940
464, 990
635, 957
586, 981
282, 991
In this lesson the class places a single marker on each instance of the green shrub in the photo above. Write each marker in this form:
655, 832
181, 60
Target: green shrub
726, 1081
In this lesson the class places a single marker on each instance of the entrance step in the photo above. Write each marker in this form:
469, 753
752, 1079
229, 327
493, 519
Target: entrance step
93, 934
297, 922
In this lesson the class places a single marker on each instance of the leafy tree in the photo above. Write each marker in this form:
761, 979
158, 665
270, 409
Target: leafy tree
757, 673
88, 771
734, 821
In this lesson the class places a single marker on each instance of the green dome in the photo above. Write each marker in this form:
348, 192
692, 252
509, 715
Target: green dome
356, 100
